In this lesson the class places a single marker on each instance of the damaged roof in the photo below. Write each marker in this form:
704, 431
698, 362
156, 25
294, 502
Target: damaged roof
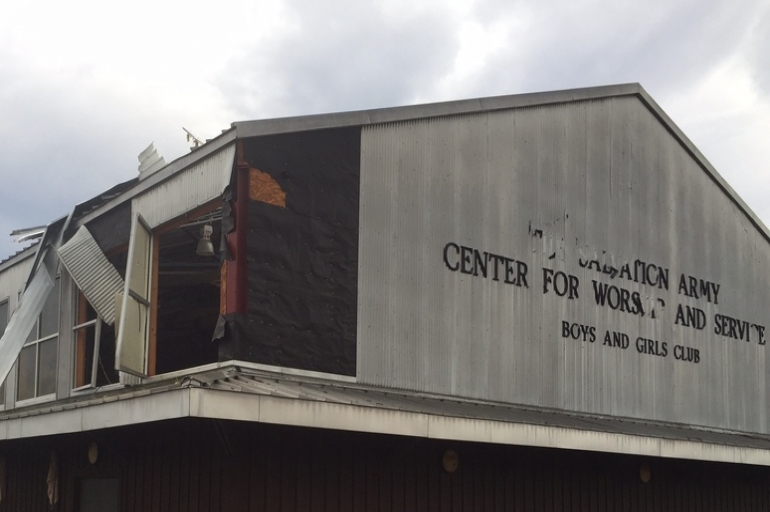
247, 129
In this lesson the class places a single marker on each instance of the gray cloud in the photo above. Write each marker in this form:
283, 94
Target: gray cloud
63, 143
665, 47
342, 57
66, 137
759, 51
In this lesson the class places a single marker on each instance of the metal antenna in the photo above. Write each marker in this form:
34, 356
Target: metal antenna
195, 140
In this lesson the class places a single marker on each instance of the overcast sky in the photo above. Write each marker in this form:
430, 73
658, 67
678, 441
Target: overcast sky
85, 86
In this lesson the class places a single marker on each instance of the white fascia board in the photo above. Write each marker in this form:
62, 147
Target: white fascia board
281, 411
114, 412
229, 405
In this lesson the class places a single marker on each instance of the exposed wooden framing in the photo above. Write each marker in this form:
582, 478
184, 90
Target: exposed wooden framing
237, 268
80, 347
188, 216
152, 342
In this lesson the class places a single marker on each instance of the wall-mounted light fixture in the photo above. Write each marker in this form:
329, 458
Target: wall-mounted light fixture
450, 461
93, 452
644, 473
205, 247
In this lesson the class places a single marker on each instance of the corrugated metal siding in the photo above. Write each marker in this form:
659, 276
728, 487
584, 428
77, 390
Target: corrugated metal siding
549, 186
193, 187
96, 277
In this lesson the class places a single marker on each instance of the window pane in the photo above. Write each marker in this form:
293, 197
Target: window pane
106, 373
49, 319
27, 373
140, 263
46, 380
84, 354
132, 351
33, 333
3, 316
3, 325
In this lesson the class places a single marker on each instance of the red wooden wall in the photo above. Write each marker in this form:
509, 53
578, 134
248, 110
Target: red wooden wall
201, 465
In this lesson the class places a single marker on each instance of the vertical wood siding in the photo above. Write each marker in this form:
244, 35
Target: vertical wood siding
202, 466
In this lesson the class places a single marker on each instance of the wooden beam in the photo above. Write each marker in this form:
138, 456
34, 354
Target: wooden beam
237, 269
81, 336
152, 342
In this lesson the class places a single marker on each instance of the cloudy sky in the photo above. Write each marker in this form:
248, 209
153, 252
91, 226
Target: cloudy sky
86, 85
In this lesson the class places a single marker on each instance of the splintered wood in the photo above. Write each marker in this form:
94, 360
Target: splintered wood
262, 187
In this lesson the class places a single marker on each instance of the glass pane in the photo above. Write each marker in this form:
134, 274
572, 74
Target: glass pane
27, 373
3, 316
84, 312
132, 337
132, 349
33, 333
140, 261
105, 372
84, 355
46, 377
3, 324
90, 312
49, 318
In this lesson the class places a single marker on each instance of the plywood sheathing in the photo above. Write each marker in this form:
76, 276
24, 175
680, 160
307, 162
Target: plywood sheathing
262, 187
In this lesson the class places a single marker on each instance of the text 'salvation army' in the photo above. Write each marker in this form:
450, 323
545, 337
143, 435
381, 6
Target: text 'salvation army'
467, 260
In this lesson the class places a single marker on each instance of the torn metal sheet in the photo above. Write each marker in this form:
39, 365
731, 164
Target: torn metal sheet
197, 185
51, 237
93, 273
25, 234
24, 318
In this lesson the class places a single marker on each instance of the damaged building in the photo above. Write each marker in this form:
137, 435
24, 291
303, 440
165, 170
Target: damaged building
545, 301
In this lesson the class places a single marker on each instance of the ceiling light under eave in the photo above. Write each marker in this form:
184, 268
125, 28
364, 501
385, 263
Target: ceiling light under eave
205, 247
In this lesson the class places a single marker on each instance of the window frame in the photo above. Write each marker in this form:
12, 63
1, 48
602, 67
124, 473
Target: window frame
37, 341
3, 387
134, 347
90, 383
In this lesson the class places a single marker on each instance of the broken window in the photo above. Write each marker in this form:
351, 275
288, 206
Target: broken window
94, 348
170, 305
133, 321
37, 360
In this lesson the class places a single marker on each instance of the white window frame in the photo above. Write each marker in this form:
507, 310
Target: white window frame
97, 323
135, 303
3, 387
37, 397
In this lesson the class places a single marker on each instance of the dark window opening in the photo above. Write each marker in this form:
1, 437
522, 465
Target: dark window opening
188, 295
87, 327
